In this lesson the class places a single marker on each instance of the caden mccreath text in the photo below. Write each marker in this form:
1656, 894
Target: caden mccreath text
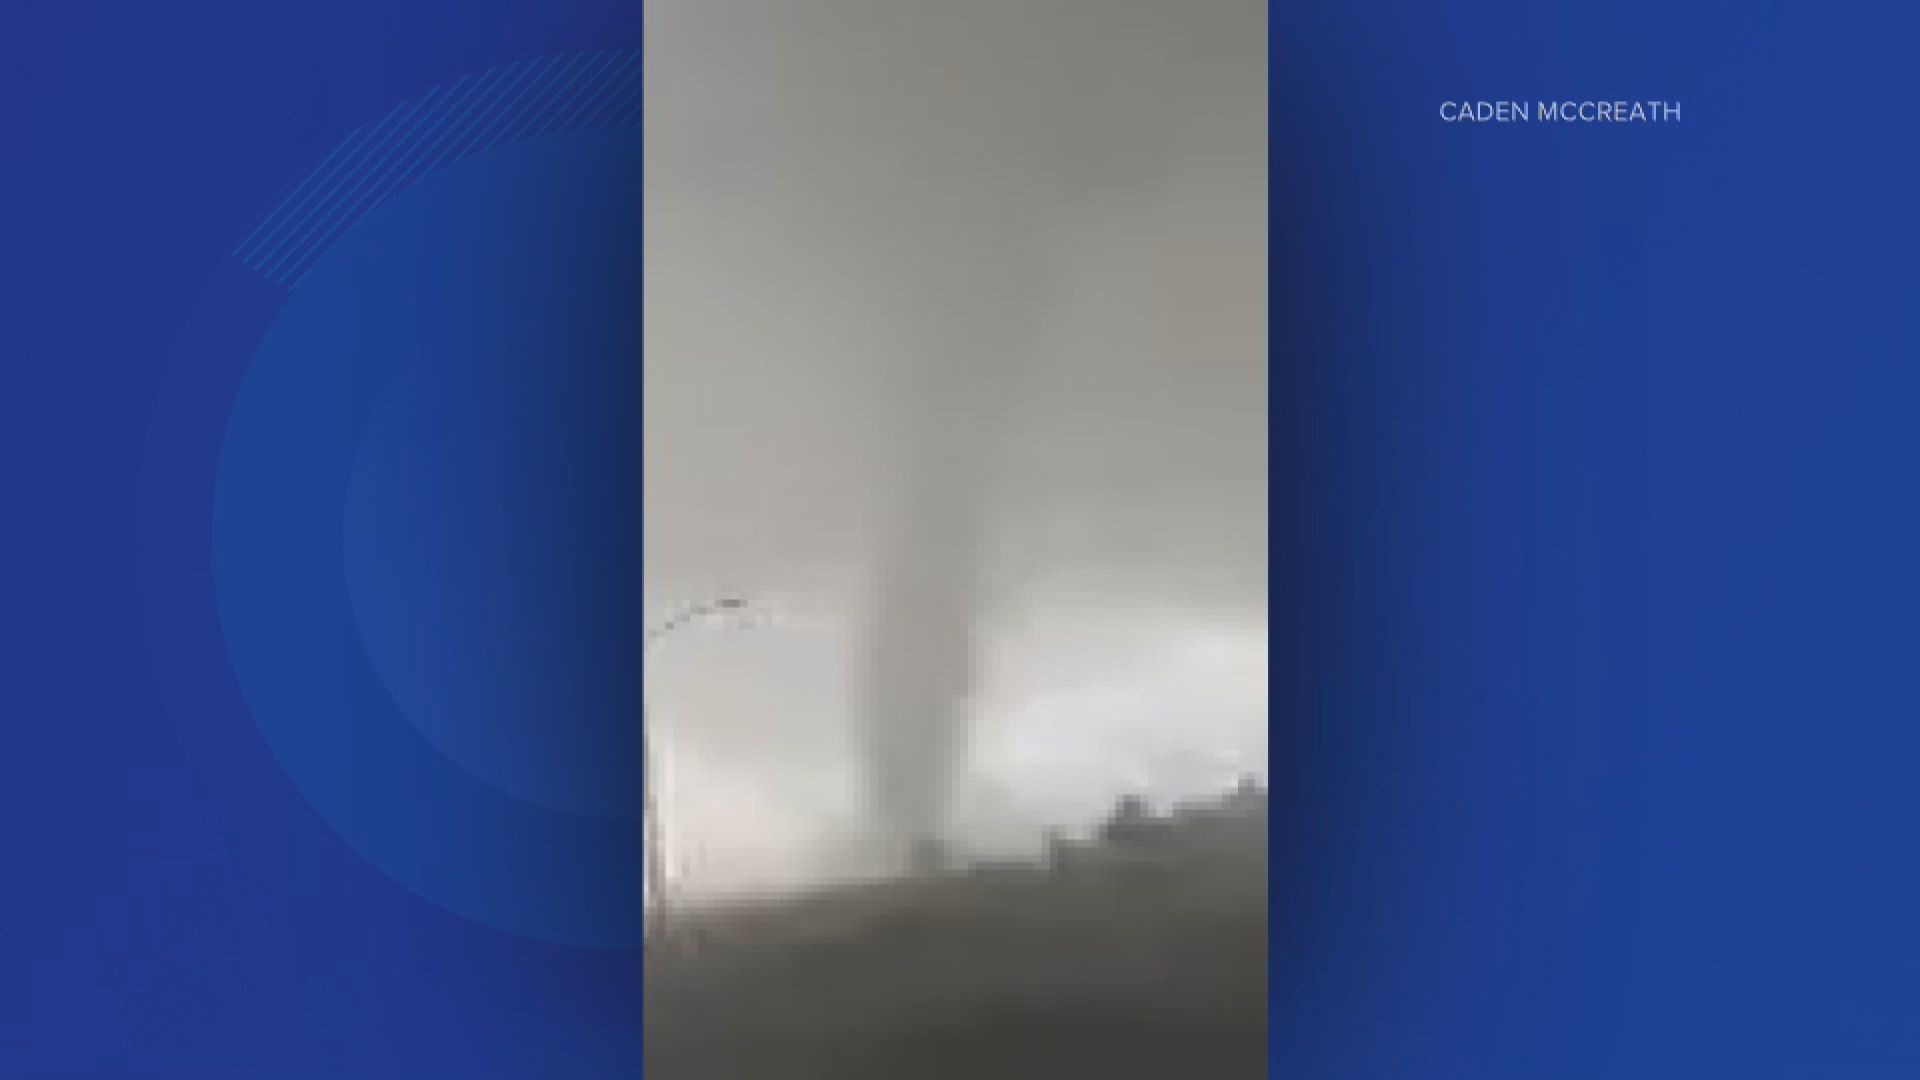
1564, 112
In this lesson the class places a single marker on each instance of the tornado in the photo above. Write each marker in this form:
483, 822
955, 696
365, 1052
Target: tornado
923, 653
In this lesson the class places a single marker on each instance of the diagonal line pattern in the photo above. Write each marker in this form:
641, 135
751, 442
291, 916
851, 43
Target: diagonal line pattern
531, 99
375, 151
628, 111
527, 99
381, 185
323, 184
553, 76
546, 106
438, 154
581, 87
303, 189
376, 164
616, 102
513, 90
514, 124
610, 83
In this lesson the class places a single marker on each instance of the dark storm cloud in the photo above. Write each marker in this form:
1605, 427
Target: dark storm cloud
943, 296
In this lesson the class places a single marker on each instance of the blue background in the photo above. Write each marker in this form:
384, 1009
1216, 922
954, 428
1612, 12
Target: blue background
1596, 603
271, 803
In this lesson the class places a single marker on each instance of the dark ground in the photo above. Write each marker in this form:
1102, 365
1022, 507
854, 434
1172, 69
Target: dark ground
1140, 956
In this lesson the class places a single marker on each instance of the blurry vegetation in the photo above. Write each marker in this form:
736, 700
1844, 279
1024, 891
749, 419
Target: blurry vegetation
1139, 954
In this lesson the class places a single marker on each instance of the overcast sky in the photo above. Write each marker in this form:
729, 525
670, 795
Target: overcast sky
1042, 222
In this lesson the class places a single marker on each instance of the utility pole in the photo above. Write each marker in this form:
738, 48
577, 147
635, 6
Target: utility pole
655, 852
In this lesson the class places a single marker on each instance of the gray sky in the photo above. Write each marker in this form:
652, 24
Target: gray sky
1038, 226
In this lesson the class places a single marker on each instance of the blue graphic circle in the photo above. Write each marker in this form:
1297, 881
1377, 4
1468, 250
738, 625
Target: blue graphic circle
425, 543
